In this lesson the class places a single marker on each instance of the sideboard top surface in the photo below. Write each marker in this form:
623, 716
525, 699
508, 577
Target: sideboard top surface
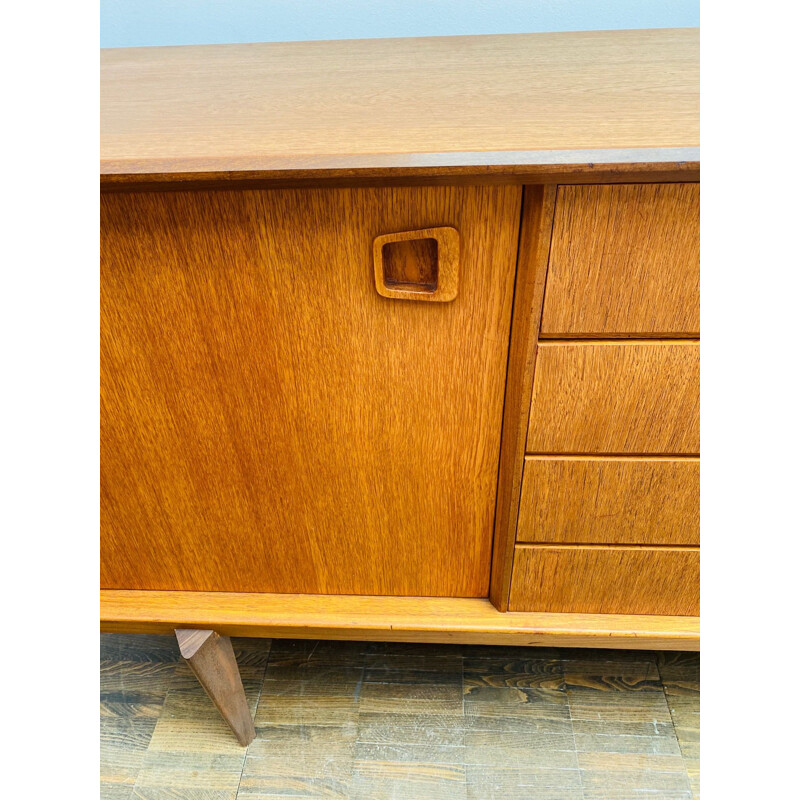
478, 103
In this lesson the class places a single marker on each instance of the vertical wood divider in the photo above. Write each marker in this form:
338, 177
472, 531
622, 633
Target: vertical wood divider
536, 225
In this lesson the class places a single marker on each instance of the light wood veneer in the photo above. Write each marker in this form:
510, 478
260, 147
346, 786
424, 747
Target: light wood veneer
537, 222
469, 106
602, 500
624, 261
392, 619
616, 397
269, 422
606, 580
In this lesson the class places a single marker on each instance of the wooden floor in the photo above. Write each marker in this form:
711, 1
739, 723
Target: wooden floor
403, 722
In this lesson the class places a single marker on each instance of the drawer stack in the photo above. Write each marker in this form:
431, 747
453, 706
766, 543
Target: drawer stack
609, 505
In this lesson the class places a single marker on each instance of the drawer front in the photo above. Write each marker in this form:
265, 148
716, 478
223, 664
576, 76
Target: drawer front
631, 397
624, 260
610, 501
606, 580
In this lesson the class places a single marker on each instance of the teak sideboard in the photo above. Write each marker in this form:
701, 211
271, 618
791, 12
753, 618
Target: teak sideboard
400, 340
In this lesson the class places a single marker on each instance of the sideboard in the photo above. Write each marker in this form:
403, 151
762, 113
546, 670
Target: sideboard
400, 340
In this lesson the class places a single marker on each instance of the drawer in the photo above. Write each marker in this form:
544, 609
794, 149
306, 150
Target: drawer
606, 580
624, 260
588, 500
615, 398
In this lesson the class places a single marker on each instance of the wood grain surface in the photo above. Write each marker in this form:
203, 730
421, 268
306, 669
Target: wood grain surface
381, 102
606, 580
212, 660
616, 397
587, 500
642, 164
537, 221
390, 619
624, 261
270, 423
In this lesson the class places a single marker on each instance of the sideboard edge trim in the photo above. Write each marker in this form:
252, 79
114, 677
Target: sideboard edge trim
402, 619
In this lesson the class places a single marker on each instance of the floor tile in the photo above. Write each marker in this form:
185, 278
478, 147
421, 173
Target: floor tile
402, 721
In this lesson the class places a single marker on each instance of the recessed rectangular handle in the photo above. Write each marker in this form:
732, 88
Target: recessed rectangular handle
418, 265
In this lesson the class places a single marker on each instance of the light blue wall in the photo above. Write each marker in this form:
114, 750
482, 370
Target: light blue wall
132, 23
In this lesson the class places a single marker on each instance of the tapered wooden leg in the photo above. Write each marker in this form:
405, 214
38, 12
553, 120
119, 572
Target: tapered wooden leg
212, 660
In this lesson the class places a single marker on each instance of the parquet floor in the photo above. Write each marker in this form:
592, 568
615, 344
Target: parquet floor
378, 721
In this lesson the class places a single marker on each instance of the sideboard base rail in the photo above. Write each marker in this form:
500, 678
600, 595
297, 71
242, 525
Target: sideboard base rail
391, 619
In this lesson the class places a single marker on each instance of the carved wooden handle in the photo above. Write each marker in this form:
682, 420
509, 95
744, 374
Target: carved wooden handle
418, 265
